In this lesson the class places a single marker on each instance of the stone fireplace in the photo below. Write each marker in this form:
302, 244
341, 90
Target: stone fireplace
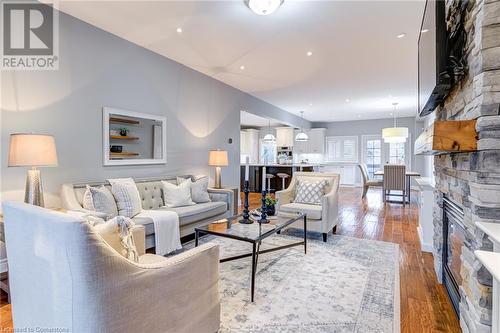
472, 180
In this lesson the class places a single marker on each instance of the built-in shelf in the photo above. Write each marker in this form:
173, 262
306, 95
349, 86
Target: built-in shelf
117, 120
120, 137
122, 154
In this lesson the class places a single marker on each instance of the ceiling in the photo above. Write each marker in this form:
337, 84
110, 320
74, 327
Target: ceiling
358, 66
250, 120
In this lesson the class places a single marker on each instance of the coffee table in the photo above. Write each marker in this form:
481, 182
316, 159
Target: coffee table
252, 233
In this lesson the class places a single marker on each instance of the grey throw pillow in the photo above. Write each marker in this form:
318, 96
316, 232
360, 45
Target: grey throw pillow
101, 200
310, 192
128, 199
199, 188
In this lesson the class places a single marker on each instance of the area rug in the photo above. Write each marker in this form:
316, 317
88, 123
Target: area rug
344, 285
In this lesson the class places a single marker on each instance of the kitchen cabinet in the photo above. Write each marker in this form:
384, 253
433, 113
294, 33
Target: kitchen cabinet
315, 144
249, 145
285, 137
347, 173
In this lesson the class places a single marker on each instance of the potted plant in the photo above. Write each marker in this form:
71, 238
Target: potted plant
124, 131
271, 205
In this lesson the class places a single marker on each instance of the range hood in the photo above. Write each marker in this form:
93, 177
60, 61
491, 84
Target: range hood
447, 137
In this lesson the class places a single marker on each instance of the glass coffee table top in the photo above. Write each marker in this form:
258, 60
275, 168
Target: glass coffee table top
256, 231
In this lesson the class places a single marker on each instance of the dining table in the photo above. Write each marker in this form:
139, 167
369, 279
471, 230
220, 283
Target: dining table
408, 175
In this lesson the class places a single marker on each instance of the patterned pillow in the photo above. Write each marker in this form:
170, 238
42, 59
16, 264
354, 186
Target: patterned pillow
100, 199
310, 192
127, 196
199, 189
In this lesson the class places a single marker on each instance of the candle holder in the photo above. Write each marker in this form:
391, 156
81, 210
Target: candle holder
263, 209
246, 214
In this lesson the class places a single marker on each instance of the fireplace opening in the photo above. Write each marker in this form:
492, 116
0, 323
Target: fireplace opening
453, 240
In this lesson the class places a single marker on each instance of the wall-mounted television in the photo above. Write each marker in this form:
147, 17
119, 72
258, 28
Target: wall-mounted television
434, 80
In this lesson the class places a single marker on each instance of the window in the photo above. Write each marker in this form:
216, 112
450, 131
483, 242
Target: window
397, 153
373, 156
341, 149
268, 152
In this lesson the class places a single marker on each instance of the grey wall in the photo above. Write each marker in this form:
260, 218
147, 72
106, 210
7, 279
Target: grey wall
99, 69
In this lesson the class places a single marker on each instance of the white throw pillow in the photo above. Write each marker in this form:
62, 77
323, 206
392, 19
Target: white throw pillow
177, 195
199, 188
310, 192
127, 196
100, 199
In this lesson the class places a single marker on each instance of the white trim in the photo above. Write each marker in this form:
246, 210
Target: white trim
107, 111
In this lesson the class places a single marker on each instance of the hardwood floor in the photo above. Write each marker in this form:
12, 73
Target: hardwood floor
424, 304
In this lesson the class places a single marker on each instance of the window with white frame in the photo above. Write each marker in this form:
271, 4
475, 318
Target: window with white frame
341, 149
397, 154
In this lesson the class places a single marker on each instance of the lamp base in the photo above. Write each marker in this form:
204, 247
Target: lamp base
33, 193
217, 178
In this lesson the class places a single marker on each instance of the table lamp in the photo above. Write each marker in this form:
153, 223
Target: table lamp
218, 158
32, 150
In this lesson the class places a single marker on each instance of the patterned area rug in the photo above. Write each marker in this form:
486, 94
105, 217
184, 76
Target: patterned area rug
344, 285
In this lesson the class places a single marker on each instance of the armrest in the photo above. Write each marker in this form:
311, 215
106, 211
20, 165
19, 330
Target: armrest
284, 197
139, 234
222, 195
187, 283
330, 206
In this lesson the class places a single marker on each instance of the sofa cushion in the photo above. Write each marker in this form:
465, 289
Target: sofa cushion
177, 195
190, 214
313, 211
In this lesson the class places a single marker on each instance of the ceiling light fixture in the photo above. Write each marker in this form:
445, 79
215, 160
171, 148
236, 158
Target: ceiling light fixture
309, 53
269, 137
179, 30
347, 100
401, 35
263, 7
242, 67
395, 134
310, 104
301, 136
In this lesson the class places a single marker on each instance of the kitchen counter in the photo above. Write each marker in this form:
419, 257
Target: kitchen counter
276, 165
256, 170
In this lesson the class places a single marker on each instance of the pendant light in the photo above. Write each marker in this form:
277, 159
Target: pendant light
264, 7
395, 134
301, 136
269, 137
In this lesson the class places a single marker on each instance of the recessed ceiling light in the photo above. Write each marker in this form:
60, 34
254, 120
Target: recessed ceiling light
179, 30
401, 35
310, 104
424, 31
260, 7
347, 100
391, 114
242, 67
309, 53
359, 116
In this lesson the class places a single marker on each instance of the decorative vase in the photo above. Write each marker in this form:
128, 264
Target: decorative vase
271, 210
123, 132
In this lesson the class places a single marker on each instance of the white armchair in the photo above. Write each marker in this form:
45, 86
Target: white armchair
321, 218
64, 275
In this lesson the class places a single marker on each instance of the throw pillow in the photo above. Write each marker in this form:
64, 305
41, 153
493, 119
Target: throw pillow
127, 196
177, 195
100, 199
310, 192
199, 189
117, 232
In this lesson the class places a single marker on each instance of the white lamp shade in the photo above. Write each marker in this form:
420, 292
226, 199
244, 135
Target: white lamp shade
301, 136
218, 158
33, 150
264, 7
269, 138
395, 134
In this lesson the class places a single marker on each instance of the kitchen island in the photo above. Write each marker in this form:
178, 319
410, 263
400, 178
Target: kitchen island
255, 174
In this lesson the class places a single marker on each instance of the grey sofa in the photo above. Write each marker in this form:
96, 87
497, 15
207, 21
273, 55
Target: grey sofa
151, 193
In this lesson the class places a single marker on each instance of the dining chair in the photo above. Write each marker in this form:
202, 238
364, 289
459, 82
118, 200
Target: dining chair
394, 180
367, 182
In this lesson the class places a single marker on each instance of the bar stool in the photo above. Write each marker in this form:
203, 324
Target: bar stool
269, 177
283, 177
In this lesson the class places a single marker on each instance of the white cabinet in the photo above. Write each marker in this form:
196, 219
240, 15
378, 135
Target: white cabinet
249, 145
347, 173
285, 137
314, 145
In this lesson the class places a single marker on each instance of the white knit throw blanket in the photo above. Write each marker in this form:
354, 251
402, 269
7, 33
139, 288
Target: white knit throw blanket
167, 232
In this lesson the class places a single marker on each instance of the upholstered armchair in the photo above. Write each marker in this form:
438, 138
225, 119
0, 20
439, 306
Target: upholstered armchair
321, 218
64, 275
